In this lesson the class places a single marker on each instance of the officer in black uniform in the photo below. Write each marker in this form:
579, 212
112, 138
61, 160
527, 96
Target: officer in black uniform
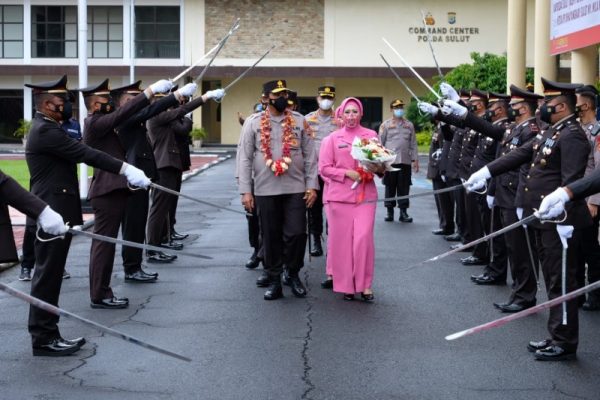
557, 157
438, 150
51, 157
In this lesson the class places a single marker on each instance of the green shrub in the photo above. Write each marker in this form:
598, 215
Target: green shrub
423, 138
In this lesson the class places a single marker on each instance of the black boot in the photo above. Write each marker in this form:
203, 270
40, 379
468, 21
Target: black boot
263, 280
317, 250
254, 261
296, 285
593, 302
274, 291
390, 214
404, 217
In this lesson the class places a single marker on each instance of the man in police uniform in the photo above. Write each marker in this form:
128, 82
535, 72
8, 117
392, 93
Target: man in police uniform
586, 104
322, 122
438, 156
558, 157
51, 157
277, 151
398, 134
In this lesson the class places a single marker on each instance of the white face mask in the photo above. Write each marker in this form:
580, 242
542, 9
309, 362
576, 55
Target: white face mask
326, 104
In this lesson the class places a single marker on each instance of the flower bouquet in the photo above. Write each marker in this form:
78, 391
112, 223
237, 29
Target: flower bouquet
370, 152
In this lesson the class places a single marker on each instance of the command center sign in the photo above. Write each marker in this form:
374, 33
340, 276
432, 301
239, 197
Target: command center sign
449, 31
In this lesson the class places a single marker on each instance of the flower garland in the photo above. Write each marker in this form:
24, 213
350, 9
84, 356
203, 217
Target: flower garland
279, 167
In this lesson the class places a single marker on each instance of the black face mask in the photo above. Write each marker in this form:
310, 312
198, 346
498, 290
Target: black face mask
67, 112
546, 112
489, 114
279, 103
107, 108
513, 114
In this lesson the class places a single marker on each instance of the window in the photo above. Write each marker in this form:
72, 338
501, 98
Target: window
11, 32
11, 110
54, 31
105, 32
157, 32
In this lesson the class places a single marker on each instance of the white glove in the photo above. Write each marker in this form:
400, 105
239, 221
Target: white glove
519, 213
188, 90
477, 180
52, 222
216, 94
449, 92
490, 201
428, 108
443, 178
553, 205
162, 86
452, 107
136, 176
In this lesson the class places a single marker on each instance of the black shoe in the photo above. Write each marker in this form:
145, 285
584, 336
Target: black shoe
489, 280
297, 286
327, 283
160, 257
110, 304
404, 217
317, 250
389, 217
440, 232
592, 303
274, 291
515, 308
140, 277
66, 274
172, 245
149, 273
533, 346
73, 342
178, 236
25, 274
56, 348
554, 353
254, 261
459, 245
348, 296
479, 276
455, 237
368, 298
285, 278
263, 280
472, 260
498, 305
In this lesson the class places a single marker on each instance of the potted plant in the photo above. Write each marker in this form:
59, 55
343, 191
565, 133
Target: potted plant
198, 134
22, 130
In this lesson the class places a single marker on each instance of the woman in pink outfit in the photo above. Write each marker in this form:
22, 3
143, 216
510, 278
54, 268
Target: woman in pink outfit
350, 218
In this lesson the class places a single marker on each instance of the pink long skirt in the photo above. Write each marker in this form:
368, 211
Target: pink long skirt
350, 246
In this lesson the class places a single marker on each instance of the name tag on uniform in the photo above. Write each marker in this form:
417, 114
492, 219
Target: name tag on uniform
515, 141
549, 142
342, 145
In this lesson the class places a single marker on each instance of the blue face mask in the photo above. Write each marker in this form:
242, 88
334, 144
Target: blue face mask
398, 112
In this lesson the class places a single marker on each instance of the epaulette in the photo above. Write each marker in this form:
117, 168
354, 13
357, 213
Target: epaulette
533, 127
254, 116
297, 114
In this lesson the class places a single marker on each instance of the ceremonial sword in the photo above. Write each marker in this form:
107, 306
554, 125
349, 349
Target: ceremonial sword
525, 313
69, 315
431, 46
422, 194
437, 96
77, 230
198, 61
400, 79
233, 28
175, 193
247, 70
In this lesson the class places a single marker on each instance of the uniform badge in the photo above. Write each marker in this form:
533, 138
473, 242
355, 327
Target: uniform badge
543, 162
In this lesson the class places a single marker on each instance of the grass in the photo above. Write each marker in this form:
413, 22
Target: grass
18, 170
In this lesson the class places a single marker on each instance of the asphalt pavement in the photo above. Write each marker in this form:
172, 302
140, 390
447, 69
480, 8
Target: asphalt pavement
320, 347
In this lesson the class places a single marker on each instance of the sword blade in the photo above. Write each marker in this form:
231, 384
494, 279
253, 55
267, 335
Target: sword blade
531, 260
399, 79
69, 315
198, 61
437, 96
142, 246
221, 44
530, 311
175, 193
431, 46
248, 70
422, 194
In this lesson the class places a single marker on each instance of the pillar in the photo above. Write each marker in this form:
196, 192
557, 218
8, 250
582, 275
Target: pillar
584, 65
544, 63
515, 43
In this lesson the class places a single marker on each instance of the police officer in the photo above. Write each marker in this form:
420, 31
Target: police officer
322, 122
51, 157
586, 105
398, 134
438, 150
558, 157
277, 151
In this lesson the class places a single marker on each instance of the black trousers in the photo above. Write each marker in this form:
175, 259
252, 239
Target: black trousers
134, 229
498, 265
445, 206
283, 226
473, 227
315, 213
591, 256
458, 196
173, 209
397, 183
158, 217
108, 215
524, 287
550, 252
45, 285
29, 246
253, 229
